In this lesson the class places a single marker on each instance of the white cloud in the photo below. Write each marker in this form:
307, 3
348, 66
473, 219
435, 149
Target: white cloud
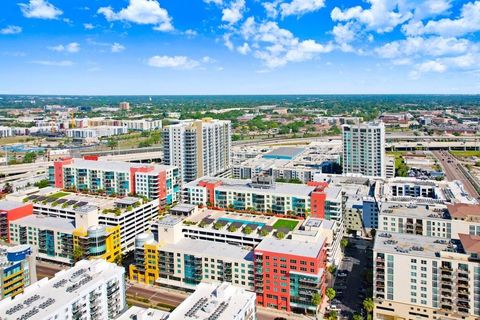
72, 47
244, 49
60, 63
117, 47
40, 9
173, 62
344, 34
382, 16
418, 46
275, 46
207, 59
217, 2
11, 30
88, 26
234, 13
141, 12
190, 33
468, 22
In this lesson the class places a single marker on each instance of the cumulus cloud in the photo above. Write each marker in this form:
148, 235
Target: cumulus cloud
72, 47
467, 22
59, 63
344, 34
88, 26
234, 12
173, 62
40, 9
273, 45
11, 30
294, 7
191, 33
141, 12
117, 47
217, 2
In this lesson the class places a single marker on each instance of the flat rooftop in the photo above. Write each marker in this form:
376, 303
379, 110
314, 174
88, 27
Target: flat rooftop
414, 245
215, 302
284, 153
414, 210
47, 296
10, 205
211, 249
107, 165
292, 247
45, 222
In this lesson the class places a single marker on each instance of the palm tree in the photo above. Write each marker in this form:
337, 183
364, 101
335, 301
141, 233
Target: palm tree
368, 305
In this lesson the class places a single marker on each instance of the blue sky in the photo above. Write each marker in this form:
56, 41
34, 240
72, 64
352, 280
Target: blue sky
239, 46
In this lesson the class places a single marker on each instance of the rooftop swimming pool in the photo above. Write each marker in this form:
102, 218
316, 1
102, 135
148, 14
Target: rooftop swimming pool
230, 220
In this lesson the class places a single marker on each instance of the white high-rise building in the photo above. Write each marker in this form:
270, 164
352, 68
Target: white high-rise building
92, 289
364, 149
198, 147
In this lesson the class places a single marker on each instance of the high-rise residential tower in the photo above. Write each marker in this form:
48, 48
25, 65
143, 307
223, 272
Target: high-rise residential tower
198, 147
364, 149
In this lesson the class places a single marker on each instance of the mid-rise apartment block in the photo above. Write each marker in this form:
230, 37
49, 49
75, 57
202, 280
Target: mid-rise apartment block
10, 211
198, 147
421, 277
17, 269
117, 178
90, 290
263, 195
364, 149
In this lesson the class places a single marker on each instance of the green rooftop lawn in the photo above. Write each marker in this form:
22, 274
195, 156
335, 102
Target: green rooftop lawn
283, 223
59, 195
468, 153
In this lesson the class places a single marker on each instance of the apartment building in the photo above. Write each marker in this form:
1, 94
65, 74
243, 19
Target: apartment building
206, 247
5, 132
421, 277
92, 289
95, 132
65, 241
131, 215
288, 274
117, 178
198, 147
17, 269
10, 211
143, 124
364, 149
432, 220
262, 194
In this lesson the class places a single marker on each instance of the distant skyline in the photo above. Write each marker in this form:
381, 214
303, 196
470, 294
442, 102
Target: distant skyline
203, 47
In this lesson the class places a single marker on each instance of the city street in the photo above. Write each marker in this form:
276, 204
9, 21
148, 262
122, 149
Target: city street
352, 288
450, 166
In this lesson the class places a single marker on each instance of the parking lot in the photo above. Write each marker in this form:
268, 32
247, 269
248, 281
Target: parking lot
350, 283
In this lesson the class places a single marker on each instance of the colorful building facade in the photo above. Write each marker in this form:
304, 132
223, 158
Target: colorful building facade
17, 269
11, 211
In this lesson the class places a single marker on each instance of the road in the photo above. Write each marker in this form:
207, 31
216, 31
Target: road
352, 289
450, 166
159, 295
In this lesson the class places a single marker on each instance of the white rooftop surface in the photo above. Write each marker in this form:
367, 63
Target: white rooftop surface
96, 272
9, 204
412, 245
208, 299
138, 313
44, 222
104, 165
207, 248
410, 210
293, 247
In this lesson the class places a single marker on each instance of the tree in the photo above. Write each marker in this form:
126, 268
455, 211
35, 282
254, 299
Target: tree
29, 157
368, 305
42, 183
7, 188
112, 143
331, 269
78, 253
247, 230
332, 315
217, 226
357, 316
232, 228
344, 243
280, 235
316, 299
330, 293
263, 233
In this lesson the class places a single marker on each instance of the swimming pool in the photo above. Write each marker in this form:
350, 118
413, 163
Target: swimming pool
230, 220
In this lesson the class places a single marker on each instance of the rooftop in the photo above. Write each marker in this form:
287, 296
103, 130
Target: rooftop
45, 222
414, 245
292, 247
414, 210
107, 165
209, 248
215, 302
463, 211
10, 205
47, 296
470, 243
138, 313
284, 153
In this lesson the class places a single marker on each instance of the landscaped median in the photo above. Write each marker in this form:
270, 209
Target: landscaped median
145, 303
